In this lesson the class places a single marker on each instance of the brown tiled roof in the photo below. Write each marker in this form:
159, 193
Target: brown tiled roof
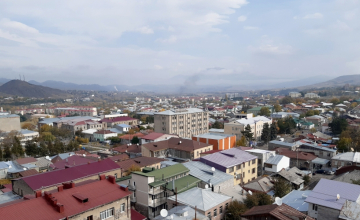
282, 212
28, 172
139, 161
295, 154
119, 157
26, 160
131, 136
133, 148
174, 143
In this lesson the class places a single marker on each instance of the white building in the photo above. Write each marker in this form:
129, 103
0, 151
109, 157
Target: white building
276, 163
294, 94
102, 135
311, 95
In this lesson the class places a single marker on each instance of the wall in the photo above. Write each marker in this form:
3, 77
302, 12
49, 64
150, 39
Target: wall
246, 169
141, 191
325, 213
8, 124
218, 144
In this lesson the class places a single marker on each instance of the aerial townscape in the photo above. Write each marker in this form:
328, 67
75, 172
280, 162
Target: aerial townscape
180, 110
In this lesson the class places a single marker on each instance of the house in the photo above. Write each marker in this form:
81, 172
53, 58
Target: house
262, 155
294, 94
260, 184
103, 135
276, 144
296, 200
218, 141
133, 150
140, 162
156, 137
276, 163
321, 152
345, 159
274, 212
50, 180
149, 188
176, 148
278, 115
256, 124
126, 139
311, 95
72, 161
213, 208
101, 199
329, 197
123, 127
111, 122
297, 158
215, 179
294, 176
119, 157
3, 170
240, 164
349, 177
43, 163
183, 213
10, 123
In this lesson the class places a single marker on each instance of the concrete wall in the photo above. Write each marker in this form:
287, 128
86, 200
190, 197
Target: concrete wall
8, 124
218, 144
245, 170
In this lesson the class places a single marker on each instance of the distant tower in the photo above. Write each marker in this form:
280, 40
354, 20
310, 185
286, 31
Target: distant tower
24, 77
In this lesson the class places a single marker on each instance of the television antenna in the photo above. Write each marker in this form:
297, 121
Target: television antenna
163, 213
278, 201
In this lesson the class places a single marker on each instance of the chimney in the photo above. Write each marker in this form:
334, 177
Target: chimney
38, 194
102, 176
47, 195
111, 179
60, 208
72, 185
60, 188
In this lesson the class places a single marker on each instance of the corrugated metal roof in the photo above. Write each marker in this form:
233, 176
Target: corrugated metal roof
229, 158
350, 211
216, 136
203, 172
296, 200
275, 159
320, 161
325, 193
201, 198
184, 183
167, 172
174, 213
348, 156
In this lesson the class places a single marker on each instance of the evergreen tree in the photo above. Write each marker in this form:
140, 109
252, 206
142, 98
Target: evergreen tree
43, 150
281, 187
7, 152
31, 148
273, 131
51, 148
265, 135
248, 134
58, 147
135, 140
17, 150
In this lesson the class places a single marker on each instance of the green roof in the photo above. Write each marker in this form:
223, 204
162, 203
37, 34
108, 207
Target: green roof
168, 172
157, 183
123, 178
184, 183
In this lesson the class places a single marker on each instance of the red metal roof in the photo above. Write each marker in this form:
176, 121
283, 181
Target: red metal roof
72, 161
28, 172
140, 162
136, 216
152, 136
56, 177
98, 193
117, 119
104, 132
26, 160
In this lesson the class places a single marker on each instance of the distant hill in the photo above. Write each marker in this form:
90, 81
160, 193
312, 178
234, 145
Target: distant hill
338, 81
25, 89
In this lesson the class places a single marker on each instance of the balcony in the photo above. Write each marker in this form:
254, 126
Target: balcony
133, 199
157, 202
132, 187
154, 191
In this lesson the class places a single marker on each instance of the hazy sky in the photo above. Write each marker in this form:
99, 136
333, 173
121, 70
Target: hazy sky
171, 41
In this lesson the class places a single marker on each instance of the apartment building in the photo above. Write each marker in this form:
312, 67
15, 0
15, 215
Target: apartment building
311, 95
256, 124
236, 162
294, 94
75, 110
9, 123
183, 122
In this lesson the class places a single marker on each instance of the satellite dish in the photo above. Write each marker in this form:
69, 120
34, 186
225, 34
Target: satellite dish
84, 155
163, 213
352, 149
250, 192
47, 157
213, 169
171, 216
206, 186
338, 196
278, 201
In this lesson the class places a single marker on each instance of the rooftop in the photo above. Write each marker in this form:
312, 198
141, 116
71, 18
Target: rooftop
117, 119
184, 183
201, 198
282, 212
179, 112
325, 193
176, 143
296, 200
152, 136
10, 116
139, 161
228, 158
260, 184
176, 213
166, 172
132, 148
295, 154
348, 156
216, 136
275, 159
71, 161
26, 160
254, 120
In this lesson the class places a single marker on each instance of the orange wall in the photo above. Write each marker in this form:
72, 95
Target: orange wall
221, 144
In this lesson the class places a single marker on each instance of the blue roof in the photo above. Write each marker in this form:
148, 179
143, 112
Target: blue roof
3, 165
64, 155
296, 200
325, 193
124, 125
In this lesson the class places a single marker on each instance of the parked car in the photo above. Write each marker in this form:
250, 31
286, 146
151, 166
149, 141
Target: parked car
329, 172
320, 171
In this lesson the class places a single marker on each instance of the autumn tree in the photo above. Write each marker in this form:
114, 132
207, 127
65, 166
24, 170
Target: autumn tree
218, 125
235, 209
338, 125
43, 150
257, 199
133, 168
264, 111
241, 142
277, 108
281, 187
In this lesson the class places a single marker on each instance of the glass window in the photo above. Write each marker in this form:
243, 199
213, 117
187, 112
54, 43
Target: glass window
122, 207
215, 212
107, 213
231, 169
220, 210
253, 170
253, 161
209, 215
238, 167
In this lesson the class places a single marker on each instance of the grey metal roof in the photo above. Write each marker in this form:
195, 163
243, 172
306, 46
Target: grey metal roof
14, 167
282, 143
261, 184
317, 147
296, 200
319, 160
43, 162
275, 159
179, 112
325, 193
203, 172
177, 213
216, 130
49, 120
203, 199
216, 136
291, 176
167, 163
8, 197
350, 211
348, 156
229, 158
9, 116
25, 131
349, 177
4, 165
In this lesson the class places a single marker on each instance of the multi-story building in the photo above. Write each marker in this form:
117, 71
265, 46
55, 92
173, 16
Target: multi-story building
182, 122
77, 123
240, 164
111, 122
9, 123
294, 94
256, 124
311, 95
218, 141
75, 110
262, 155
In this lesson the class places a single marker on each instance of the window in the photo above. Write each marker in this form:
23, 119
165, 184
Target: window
248, 171
107, 213
268, 165
122, 207
249, 163
238, 167
215, 212
209, 215
253, 170
231, 169
226, 205
243, 174
253, 161
315, 207
220, 210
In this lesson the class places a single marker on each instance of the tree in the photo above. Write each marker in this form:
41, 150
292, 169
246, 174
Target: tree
16, 149
338, 125
247, 133
114, 140
264, 111
313, 130
58, 147
286, 125
310, 113
277, 108
257, 199
72, 146
135, 140
353, 105
43, 150
266, 135
344, 144
286, 100
281, 187
335, 101
218, 125
7, 152
234, 210
47, 136
31, 149
357, 182
28, 126
241, 142
273, 131
306, 179
133, 168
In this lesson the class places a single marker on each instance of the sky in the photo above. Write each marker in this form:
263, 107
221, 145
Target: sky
227, 42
